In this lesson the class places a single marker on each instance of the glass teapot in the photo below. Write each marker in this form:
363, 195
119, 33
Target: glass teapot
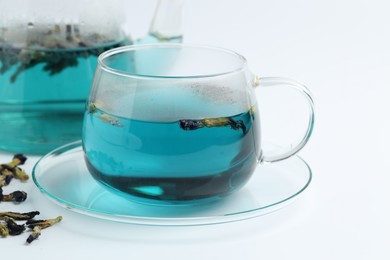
48, 54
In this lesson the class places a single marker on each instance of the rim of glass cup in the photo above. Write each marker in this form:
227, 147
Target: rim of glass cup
123, 49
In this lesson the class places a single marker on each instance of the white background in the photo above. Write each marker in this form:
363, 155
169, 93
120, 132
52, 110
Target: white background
341, 51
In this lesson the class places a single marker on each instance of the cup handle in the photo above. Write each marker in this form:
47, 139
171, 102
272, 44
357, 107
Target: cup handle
276, 81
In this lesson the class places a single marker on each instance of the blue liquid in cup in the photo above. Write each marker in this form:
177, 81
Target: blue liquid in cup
171, 161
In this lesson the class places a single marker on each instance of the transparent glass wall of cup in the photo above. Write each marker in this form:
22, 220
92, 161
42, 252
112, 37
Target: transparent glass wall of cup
48, 54
177, 124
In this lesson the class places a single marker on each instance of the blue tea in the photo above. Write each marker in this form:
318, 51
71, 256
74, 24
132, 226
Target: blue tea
171, 161
43, 93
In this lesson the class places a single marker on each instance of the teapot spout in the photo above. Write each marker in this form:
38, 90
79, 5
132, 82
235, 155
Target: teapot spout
166, 24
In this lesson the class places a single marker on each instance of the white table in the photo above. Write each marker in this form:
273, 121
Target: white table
341, 51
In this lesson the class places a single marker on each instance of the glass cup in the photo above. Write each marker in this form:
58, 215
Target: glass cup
177, 124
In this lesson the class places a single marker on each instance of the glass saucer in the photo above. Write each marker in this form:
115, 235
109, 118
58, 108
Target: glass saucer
63, 177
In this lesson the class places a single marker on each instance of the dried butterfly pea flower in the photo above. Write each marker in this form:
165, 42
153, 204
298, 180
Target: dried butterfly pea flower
17, 196
43, 223
194, 124
13, 228
34, 235
19, 216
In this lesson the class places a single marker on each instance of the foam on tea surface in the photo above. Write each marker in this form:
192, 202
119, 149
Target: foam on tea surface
163, 103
